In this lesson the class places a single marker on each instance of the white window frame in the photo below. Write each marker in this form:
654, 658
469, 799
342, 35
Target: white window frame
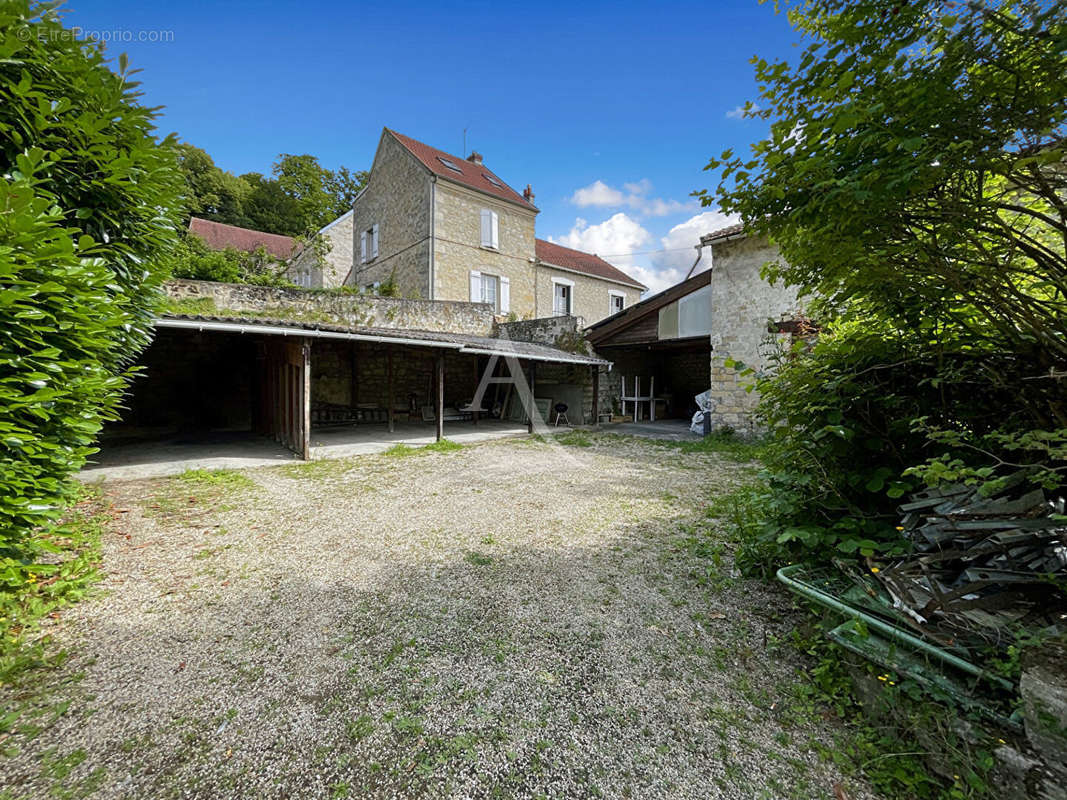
490, 229
570, 297
612, 295
502, 300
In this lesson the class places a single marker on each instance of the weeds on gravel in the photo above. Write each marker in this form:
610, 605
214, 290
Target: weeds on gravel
574, 439
197, 491
31, 592
402, 450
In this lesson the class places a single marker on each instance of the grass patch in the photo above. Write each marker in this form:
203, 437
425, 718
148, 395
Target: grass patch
30, 593
574, 439
196, 492
401, 450
477, 559
316, 470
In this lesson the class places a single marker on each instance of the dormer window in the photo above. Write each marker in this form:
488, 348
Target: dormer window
490, 229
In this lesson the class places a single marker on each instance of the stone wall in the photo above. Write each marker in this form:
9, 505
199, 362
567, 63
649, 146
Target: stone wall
457, 250
590, 296
300, 305
742, 305
562, 332
397, 199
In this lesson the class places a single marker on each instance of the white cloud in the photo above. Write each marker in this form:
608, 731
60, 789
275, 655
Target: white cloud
614, 239
738, 112
634, 195
597, 193
618, 238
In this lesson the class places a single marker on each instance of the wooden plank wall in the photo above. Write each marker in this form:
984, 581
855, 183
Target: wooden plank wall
284, 408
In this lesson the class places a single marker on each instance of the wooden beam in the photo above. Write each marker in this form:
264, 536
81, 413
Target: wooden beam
389, 388
596, 395
533, 397
477, 401
440, 404
305, 396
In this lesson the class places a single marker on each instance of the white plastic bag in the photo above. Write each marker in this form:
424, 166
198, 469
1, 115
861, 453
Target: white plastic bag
703, 400
697, 426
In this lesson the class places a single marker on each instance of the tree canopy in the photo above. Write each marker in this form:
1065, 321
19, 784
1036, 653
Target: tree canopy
915, 180
300, 196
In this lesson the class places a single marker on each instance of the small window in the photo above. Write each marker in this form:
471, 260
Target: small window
618, 301
368, 244
449, 163
490, 229
492, 180
562, 297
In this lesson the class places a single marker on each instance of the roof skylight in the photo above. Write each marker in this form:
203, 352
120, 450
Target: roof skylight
492, 180
448, 163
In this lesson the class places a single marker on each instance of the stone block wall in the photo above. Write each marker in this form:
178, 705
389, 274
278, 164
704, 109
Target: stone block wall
300, 305
397, 199
742, 306
590, 296
339, 261
457, 250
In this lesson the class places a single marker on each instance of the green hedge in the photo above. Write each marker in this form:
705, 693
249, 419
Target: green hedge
88, 196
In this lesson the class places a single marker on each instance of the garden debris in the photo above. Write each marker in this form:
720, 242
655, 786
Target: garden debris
981, 566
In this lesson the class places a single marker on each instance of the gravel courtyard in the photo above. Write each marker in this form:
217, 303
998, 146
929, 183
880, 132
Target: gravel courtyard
513, 619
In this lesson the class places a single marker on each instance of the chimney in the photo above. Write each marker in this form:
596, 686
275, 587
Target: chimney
528, 194
475, 157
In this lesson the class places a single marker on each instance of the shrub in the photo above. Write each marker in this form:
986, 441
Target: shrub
195, 260
88, 195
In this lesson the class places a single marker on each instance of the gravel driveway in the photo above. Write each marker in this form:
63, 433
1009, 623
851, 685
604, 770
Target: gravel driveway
514, 619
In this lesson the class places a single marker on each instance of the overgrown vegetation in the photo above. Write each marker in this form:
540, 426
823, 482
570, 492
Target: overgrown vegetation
401, 450
914, 180
89, 199
62, 576
193, 259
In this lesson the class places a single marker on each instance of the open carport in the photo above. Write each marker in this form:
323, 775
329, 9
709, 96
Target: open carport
244, 391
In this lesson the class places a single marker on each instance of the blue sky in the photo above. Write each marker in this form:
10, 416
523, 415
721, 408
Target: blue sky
609, 110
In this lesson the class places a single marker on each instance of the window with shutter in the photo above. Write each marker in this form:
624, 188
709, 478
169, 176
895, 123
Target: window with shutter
490, 229
363, 248
374, 241
505, 295
476, 287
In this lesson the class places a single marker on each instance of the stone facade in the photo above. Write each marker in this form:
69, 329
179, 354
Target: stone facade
397, 199
742, 307
457, 249
340, 234
303, 305
590, 297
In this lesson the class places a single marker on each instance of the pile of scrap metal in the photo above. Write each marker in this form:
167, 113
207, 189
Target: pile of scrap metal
981, 570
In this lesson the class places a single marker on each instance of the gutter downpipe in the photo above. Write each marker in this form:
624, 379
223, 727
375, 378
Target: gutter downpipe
785, 575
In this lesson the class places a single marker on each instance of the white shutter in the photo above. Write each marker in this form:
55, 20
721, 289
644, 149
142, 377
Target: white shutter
505, 295
363, 248
496, 230
487, 228
476, 287
374, 241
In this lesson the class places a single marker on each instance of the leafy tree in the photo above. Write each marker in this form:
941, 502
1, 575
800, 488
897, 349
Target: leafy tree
195, 260
212, 193
914, 180
89, 197
321, 194
268, 207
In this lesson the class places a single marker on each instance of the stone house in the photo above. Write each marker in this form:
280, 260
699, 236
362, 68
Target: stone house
441, 227
749, 319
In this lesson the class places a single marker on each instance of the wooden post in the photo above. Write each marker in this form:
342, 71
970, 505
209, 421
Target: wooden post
477, 380
596, 395
440, 396
533, 397
305, 423
389, 388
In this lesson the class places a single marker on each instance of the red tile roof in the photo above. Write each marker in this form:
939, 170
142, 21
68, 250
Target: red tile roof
219, 236
560, 256
476, 176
